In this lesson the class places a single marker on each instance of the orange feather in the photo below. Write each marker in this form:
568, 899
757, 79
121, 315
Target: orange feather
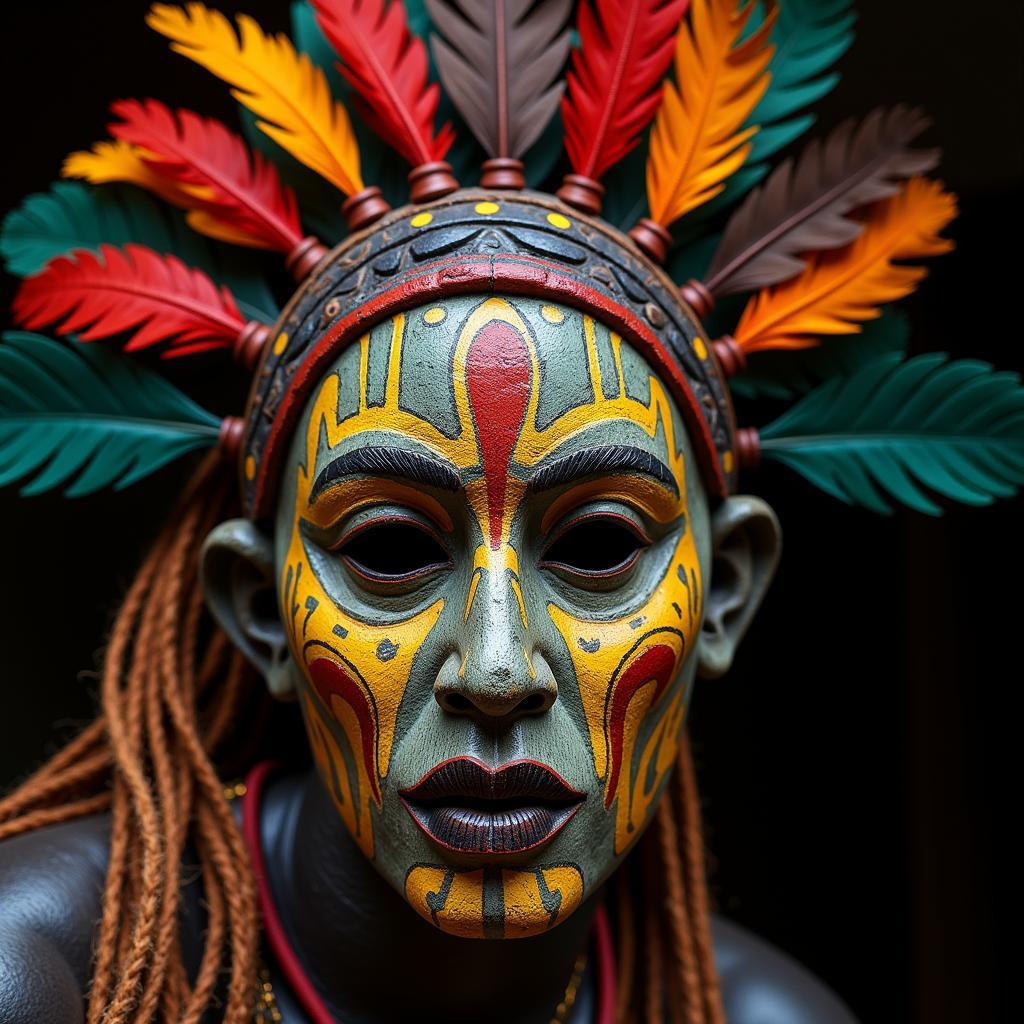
284, 89
839, 290
699, 139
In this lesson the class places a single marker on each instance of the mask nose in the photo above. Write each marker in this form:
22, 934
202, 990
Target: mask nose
498, 678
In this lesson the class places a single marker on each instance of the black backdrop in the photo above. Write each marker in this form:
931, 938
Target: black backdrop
856, 765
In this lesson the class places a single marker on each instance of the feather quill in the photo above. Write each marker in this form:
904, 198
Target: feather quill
804, 205
236, 196
284, 89
614, 84
387, 67
499, 62
839, 290
699, 139
157, 299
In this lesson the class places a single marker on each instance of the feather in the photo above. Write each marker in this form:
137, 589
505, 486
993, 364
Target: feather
499, 61
699, 139
113, 160
75, 216
803, 206
614, 83
157, 299
284, 89
787, 374
237, 196
839, 290
809, 36
91, 414
387, 67
894, 426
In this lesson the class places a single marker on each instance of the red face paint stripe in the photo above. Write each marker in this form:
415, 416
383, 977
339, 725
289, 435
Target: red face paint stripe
498, 378
657, 663
523, 276
331, 679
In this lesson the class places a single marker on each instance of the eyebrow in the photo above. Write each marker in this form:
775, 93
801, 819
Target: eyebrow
612, 458
381, 459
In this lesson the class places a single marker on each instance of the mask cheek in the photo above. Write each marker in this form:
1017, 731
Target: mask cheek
630, 681
355, 676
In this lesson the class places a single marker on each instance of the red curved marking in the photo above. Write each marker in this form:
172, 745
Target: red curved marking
657, 663
331, 680
498, 375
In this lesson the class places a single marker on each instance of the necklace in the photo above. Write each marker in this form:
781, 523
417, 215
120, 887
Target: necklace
266, 1010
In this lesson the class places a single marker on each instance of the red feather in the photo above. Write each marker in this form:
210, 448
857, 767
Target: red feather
134, 289
239, 190
387, 66
614, 83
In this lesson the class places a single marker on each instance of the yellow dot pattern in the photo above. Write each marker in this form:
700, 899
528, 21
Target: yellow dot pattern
434, 315
556, 220
552, 314
421, 220
280, 343
727, 462
250, 467
700, 348
487, 208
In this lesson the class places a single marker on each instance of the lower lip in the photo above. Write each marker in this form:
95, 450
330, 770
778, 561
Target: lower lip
467, 829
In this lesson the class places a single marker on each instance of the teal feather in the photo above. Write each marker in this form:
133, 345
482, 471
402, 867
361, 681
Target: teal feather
896, 427
786, 374
89, 413
73, 215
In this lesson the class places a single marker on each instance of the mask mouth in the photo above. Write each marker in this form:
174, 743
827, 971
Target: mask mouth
464, 806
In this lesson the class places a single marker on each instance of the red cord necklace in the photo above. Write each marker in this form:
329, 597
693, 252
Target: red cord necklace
290, 965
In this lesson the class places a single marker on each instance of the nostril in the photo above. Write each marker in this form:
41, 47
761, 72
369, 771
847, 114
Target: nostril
535, 702
456, 702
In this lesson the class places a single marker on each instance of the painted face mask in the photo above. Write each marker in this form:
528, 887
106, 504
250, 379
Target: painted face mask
492, 546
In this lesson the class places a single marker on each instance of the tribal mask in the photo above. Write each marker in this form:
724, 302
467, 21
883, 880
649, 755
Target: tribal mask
492, 549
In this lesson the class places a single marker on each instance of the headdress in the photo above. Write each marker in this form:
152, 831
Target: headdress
697, 97
641, 189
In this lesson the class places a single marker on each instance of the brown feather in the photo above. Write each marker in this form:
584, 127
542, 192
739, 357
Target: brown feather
500, 62
803, 205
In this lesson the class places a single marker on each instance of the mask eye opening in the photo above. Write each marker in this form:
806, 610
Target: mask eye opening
597, 545
392, 549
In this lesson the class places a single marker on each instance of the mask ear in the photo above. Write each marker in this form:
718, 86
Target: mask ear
746, 540
237, 575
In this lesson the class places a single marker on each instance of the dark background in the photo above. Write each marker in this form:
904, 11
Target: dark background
858, 764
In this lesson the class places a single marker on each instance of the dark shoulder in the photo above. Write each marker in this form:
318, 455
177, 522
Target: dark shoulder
51, 888
762, 985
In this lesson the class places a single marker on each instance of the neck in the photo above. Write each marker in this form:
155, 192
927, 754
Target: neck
371, 956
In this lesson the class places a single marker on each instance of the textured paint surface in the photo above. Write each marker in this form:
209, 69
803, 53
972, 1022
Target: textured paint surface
478, 422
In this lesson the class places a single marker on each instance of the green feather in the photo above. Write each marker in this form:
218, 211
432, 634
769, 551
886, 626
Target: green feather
895, 427
73, 215
87, 412
786, 374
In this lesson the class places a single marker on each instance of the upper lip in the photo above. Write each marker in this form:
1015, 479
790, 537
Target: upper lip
466, 806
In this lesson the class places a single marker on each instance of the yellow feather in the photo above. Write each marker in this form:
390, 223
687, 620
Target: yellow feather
283, 88
839, 290
118, 161
699, 139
